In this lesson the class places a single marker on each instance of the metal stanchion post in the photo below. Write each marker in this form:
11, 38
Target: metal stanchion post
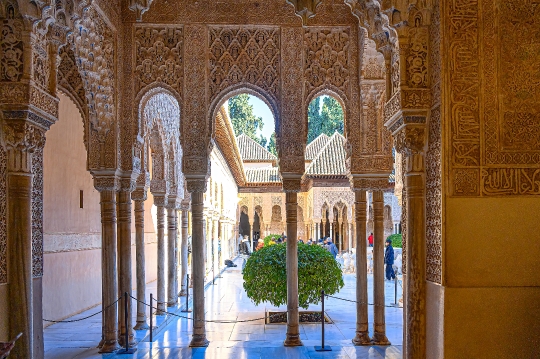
151, 317
127, 349
187, 310
322, 348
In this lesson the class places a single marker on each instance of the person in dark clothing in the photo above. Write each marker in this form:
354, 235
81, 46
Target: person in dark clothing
331, 247
389, 260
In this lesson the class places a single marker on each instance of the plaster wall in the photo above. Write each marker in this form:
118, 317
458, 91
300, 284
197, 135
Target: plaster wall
491, 281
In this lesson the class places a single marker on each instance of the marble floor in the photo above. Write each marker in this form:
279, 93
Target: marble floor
227, 301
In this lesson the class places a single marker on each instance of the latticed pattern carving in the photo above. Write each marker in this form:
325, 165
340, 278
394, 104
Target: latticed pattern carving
244, 55
327, 58
159, 56
37, 212
70, 80
3, 215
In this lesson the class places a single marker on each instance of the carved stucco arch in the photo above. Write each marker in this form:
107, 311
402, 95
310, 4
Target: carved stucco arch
239, 89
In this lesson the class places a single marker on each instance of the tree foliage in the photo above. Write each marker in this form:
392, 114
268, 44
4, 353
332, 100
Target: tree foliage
265, 274
243, 120
327, 119
272, 145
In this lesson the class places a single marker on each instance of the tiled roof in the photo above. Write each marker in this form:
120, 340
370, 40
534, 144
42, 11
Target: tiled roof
315, 146
330, 160
263, 175
250, 150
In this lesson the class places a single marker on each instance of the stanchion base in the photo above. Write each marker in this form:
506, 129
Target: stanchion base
127, 351
323, 349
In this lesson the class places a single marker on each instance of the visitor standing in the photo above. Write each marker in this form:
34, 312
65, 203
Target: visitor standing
389, 260
370, 240
245, 250
331, 247
260, 244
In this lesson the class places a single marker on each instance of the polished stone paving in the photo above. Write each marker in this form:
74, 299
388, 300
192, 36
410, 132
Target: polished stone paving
227, 301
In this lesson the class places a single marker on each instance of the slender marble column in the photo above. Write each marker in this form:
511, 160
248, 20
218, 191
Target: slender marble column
141, 323
199, 331
184, 252
208, 241
317, 232
293, 321
416, 258
124, 263
109, 275
362, 335
161, 260
19, 237
379, 332
172, 265
216, 245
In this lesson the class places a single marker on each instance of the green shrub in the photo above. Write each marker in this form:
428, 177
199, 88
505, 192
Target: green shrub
265, 274
397, 240
272, 237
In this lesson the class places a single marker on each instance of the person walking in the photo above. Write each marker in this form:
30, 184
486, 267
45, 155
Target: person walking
331, 247
245, 250
370, 240
389, 260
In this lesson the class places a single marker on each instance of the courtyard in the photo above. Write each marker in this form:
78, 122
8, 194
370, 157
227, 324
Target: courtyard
235, 330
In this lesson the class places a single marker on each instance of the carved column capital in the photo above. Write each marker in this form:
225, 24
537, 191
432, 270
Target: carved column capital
106, 180
291, 182
409, 133
368, 183
21, 139
196, 185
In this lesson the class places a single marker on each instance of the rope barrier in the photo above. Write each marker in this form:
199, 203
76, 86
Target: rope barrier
354, 301
78, 320
201, 320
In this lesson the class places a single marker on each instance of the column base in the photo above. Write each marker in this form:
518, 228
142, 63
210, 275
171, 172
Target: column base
109, 346
122, 343
361, 338
182, 293
199, 340
380, 339
141, 325
293, 341
172, 303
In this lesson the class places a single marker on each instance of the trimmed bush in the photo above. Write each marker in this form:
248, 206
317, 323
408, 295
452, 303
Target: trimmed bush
272, 237
397, 240
265, 274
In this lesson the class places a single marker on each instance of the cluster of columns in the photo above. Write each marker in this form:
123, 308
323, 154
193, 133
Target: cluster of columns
116, 196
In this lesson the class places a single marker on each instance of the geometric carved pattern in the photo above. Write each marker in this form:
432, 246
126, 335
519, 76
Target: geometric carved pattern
11, 46
70, 80
37, 213
159, 57
3, 213
244, 55
327, 59
433, 200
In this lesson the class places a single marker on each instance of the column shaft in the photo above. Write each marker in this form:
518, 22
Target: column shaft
161, 260
216, 248
109, 275
184, 253
379, 332
416, 262
293, 327
124, 263
362, 335
19, 236
172, 255
199, 332
140, 266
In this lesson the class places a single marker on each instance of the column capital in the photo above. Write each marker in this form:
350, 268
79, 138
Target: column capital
21, 139
368, 183
128, 181
196, 184
291, 182
409, 132
106, 180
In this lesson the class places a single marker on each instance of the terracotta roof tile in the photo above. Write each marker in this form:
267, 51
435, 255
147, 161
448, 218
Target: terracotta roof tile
315, 146
250, 150
330, 160
263, 175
